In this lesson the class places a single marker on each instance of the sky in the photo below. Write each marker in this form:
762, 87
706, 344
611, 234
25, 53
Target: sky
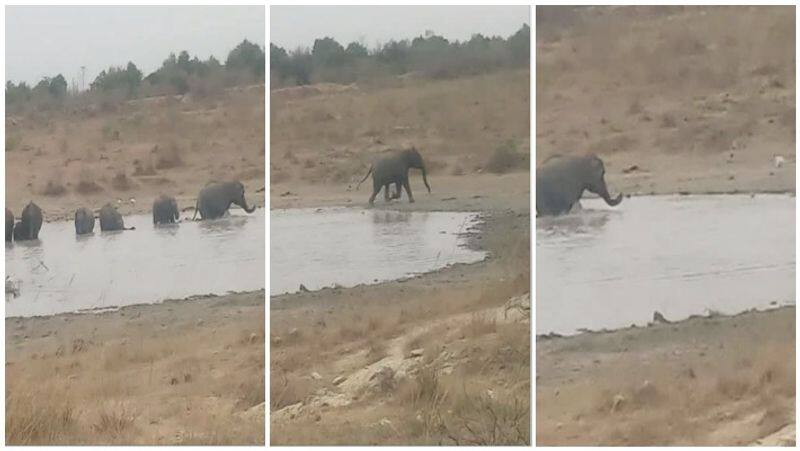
48, 40
298, 26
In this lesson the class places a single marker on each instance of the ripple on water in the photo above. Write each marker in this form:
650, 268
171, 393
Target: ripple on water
609, 267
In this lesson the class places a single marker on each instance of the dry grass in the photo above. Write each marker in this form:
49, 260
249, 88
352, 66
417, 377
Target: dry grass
330, 137
134, 382
188, 143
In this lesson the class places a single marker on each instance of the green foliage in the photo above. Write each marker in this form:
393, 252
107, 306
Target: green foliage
430, 55
178, 74
126, 80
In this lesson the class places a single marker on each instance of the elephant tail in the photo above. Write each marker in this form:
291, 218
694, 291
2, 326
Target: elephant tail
365, 177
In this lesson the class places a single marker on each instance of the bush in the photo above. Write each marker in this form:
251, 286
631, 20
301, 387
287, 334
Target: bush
506, 158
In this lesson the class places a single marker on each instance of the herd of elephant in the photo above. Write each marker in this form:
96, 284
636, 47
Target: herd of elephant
213, 202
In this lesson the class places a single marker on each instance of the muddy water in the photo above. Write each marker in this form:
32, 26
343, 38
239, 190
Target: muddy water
345, 246
609, 267
62, 272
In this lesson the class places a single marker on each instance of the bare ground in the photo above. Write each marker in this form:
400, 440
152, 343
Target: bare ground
129, 152
180, 372
706, 381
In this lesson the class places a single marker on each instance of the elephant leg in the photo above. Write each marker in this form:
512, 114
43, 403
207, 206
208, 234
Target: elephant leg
408, 190
397, 190
374, 194
386, 190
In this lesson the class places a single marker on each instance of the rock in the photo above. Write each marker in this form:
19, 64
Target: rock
417, 352
294, 333
316, 376
304, 289
338, 380
253, 338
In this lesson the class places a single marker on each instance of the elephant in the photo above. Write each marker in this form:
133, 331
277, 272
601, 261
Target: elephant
165, 210
560, 182
9, 224
216, 198
84, 221
392, 168
30, 222
111, 219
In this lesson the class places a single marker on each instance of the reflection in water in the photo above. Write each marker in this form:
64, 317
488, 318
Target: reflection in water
319, 248
610, 268
65, 272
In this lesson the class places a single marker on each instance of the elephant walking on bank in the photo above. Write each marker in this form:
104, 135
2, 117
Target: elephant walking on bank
84, 221
111, 219
29, 224
165, 210
216, 198
9, 225
392, 168
561, 181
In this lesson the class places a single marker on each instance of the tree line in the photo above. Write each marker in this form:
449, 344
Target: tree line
430, 55
179, 74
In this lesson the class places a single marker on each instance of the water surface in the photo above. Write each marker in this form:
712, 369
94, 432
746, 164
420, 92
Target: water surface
62, 272
323, 247
610, 267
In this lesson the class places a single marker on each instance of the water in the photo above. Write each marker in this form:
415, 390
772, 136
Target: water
609, 267
63, 272
345, 246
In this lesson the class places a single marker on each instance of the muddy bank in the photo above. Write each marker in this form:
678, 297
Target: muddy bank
722, 380
180, 372
348, 357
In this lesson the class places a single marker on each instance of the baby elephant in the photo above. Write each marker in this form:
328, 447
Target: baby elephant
165, 210
29, 224
111, 219
84, 221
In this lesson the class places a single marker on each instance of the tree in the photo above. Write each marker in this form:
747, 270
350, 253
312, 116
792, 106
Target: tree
58, 87
247, 56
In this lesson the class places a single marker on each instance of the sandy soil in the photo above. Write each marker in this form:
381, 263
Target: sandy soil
675, 100
443, 358
107, 152
696, 100
181, 372
702, 382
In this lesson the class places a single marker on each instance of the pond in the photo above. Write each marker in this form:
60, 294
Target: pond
62, 272
610, 267
346, 246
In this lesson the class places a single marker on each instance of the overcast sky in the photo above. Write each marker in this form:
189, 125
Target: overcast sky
298, 26
48, 40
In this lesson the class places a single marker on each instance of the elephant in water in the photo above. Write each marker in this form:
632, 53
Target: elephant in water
165, 210
111, 219
392, 168
560, 183
216, 198
9, 224
30, 222
84, 221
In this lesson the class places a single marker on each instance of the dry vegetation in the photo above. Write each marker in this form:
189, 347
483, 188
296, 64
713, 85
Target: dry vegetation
327, 134
441, 359
705, 381
99, 151
178, 373
698, 99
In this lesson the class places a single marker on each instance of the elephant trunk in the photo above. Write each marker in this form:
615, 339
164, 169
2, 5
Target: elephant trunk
244, 206
613, 202
425, 178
